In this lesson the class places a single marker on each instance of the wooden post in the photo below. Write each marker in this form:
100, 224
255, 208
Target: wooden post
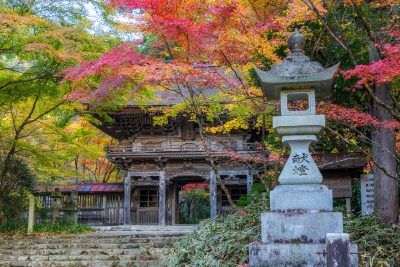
127, 200
161, 203
174, 196
249, 181
31, 216
104, 206
348, 205
213, 195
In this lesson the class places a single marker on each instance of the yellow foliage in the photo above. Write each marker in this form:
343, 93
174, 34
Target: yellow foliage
229, 126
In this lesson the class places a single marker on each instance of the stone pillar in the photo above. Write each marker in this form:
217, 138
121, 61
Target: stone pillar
127, 200
300, 168
162, 196
249, 181
31, 214
213, 195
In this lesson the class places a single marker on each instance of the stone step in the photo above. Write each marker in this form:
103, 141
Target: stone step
80, 251
91, 237
89, 241
86, 257
120, 246
87, 247
86, 263
84, 246
98, 235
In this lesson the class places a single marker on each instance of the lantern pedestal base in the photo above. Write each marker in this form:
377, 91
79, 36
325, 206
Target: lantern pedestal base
310, 197
299, 226
289, 255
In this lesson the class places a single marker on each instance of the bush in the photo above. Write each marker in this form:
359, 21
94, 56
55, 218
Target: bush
19, 227
224, 242
14, 187
378, 243
195, 205
221, 242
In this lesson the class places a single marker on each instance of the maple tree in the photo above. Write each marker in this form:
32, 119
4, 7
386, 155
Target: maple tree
192, 45
36, 129
366, 35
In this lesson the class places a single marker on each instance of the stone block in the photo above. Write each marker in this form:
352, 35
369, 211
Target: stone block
298, 226
312, 197
289, 255
338, 249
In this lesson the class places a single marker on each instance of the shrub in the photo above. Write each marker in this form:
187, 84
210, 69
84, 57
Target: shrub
15, 185
195, 205
378, 243
19, 227
221, 242
224, 241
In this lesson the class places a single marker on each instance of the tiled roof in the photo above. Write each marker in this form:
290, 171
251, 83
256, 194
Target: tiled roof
84, 188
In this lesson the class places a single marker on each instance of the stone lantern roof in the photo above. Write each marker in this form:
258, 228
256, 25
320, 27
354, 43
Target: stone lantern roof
296, 71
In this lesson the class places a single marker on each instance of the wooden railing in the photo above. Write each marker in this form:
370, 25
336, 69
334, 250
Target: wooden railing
145, 216
185, 148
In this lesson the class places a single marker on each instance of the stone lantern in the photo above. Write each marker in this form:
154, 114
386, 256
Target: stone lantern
301, 225
56, 204
71, 208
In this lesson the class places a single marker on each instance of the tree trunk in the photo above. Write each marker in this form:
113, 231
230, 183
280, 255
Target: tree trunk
383, 151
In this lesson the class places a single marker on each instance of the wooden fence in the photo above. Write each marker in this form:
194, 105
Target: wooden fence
93, 209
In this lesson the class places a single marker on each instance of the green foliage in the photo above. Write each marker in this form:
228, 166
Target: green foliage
257, 189
378, 243
62, 227
19, 180
19, 227
39, 39
195, 205
221, 242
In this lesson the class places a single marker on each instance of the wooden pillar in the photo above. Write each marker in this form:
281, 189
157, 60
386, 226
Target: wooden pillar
104, 206
162, 197
174, 197
178, 207
31, 215
127, 200
348, 205
213, 195
249, 181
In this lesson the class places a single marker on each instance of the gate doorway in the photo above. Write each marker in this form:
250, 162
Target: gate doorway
192, 200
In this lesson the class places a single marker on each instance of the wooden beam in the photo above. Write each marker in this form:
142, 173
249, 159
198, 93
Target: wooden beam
127, 200
341, 187
162, 196
213, 195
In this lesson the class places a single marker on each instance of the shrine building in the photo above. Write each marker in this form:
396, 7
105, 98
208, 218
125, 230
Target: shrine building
160, 160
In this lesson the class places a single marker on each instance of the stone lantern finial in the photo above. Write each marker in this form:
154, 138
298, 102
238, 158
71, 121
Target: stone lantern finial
296, 42
297, 71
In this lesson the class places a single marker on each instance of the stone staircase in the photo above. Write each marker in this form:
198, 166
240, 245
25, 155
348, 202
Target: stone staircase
108, 246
